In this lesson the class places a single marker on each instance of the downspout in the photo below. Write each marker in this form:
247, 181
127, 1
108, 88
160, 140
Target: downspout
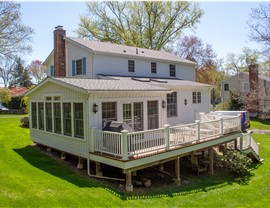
93, 56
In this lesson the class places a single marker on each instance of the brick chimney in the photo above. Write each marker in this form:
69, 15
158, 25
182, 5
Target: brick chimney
253, 88
59, 52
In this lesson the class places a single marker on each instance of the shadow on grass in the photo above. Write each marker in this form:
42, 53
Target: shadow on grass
196, 184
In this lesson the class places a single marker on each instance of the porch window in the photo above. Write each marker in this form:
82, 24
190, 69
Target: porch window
48, 108
153, 67
34, 115
57, 118
78, 120
172, 70
67, 119
196, 97
172, 104
131, 66
41, 116
109, 112
152, 113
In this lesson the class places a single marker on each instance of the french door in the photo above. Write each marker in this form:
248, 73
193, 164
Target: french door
133, 115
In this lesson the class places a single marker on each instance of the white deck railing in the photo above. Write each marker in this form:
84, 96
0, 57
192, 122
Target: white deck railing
249, 142
127, 144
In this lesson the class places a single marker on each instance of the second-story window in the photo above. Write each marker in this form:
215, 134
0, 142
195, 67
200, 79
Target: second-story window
153, 67
131, 66
172, 70
226, 87
79, 67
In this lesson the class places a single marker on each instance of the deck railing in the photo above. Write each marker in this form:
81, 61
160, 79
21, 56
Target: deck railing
249, 142
127, 144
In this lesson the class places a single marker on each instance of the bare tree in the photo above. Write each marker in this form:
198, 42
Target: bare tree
7, 66
259, 24
37, 70
14, 36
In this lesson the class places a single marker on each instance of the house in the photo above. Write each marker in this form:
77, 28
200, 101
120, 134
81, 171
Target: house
92, 85
254, 87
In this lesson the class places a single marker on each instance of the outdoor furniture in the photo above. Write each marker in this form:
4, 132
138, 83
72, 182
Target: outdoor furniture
196, 166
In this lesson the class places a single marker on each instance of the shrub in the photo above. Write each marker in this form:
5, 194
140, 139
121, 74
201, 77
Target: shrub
25, 122
236, 162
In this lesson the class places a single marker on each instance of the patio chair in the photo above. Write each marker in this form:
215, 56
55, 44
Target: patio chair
196, 166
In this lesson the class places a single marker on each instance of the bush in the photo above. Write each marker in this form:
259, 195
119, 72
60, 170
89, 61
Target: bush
236, 162
25, 122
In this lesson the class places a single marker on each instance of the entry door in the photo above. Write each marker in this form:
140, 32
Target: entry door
152, 113
133, 115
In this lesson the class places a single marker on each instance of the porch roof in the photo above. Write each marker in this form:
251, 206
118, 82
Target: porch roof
162, 82
94, 85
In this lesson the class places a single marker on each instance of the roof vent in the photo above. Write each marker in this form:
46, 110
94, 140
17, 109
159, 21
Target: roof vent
142, 51
137, 51
124, 51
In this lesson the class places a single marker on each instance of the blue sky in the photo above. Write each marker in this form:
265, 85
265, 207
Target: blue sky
224, 25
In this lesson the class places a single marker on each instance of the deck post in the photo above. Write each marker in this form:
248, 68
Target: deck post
80, 163
98, 169
124, 145
63, 155
221, 126
91, 139
198, 123
129, 186
167, 136
241, 143
211, 160
49, 149
177, 171
201, 114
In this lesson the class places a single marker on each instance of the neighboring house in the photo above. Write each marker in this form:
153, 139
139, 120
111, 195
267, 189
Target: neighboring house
91, 84
250, 85
18, 91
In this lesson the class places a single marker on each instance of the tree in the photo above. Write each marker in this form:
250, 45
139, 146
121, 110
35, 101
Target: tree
14, 36
6, 67
4, 96
259, 24
20, 75
37, 70
147, 24
193, 48
236, 63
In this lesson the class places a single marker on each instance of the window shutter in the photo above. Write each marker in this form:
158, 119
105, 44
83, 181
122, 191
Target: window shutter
73, 68
84, 65
52, 71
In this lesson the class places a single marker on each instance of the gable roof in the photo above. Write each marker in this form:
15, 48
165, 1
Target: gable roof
123, 50
262, 77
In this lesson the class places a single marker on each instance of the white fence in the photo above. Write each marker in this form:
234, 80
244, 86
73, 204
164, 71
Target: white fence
127, 144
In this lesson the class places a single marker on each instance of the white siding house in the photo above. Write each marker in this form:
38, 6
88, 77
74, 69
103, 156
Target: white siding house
154, 93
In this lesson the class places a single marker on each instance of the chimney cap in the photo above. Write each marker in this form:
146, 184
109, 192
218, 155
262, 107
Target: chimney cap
59, 27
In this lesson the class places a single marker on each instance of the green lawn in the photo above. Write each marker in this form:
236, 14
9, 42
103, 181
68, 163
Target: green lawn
29, 178
259, 124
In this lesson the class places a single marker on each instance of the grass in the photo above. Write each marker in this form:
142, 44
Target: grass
256, 123
30, 178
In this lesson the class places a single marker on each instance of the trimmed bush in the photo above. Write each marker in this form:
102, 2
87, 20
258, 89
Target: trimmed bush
236, 162
25, 122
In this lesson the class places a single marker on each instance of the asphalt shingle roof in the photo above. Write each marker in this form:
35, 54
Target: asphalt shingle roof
110, 85
107, 47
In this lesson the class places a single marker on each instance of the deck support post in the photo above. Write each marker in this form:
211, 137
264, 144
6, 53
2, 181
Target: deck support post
63, 155
235, 144
177, 171
124, 145
241, 143
80, 163
211, 160
129, 186
198, 136
49, 149
167, 136
98, 169
161, 167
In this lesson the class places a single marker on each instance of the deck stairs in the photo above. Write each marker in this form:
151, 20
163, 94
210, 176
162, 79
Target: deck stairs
250, 147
